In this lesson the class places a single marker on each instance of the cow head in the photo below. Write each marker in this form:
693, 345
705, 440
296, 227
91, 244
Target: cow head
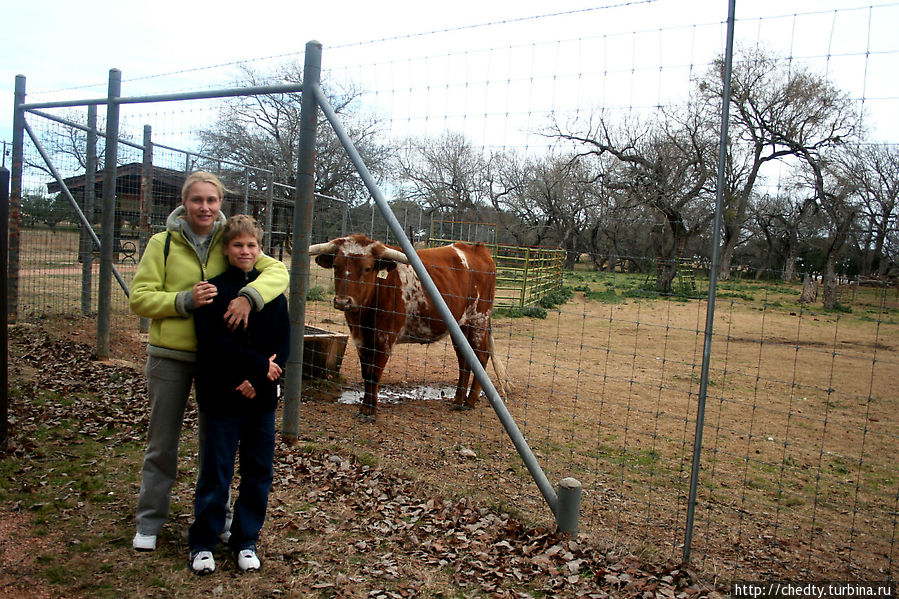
357, 262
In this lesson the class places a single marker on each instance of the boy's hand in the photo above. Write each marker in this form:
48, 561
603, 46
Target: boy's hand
238, 312
247, 390
274, 371
202, 293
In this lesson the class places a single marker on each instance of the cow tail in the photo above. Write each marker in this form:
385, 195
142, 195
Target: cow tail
499, 368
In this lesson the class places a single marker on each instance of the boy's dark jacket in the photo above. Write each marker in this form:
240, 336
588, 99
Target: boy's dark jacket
226, 358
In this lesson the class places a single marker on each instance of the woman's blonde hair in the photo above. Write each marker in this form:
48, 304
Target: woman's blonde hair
202, 177
241, 224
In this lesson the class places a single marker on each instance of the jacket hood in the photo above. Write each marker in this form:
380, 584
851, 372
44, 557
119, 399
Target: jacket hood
176, 220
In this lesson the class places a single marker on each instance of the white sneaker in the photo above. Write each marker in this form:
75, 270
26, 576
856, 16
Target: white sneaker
202, 563
247, 560
144, 542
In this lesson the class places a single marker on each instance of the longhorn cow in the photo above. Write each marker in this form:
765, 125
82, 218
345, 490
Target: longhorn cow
384, 304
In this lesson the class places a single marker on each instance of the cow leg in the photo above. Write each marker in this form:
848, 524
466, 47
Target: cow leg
462, 384
463, 400
478, 341
370, 396
373, 362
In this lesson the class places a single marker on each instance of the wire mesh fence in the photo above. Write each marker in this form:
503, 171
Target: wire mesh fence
801, 417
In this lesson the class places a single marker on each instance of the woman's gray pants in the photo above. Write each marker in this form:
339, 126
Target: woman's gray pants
168, 384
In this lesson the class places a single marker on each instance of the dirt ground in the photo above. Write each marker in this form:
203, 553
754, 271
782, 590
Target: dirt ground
800, 423
799, 426
346, 518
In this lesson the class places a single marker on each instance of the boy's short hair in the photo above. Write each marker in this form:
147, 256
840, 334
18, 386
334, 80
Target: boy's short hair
241, 224
202, 177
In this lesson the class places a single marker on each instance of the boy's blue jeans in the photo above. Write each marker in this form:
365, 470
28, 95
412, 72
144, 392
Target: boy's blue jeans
254, 433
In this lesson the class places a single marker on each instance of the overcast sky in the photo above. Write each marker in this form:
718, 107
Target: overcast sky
65, 45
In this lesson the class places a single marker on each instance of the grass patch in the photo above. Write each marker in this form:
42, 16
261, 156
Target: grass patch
608, 296
737, 295
841, 308
643, 293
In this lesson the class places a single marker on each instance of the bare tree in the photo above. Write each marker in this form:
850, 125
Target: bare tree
662, 165
263, 131
784, 220
778, 109
564, 193
444, 173
551, 199
617, 236
837, 201
67, 146
875, 171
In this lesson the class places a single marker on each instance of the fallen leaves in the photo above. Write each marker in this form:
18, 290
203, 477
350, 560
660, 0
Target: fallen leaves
354, 530
107, 399
486, 553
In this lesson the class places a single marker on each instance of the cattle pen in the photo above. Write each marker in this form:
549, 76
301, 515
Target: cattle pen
525, 274
795, 475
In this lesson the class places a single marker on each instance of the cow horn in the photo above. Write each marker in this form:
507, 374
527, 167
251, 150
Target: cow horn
329, 247
395, 255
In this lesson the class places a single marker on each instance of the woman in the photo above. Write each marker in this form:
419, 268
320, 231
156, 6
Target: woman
170, 283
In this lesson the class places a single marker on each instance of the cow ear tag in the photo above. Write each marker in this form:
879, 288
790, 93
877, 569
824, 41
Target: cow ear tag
382, 274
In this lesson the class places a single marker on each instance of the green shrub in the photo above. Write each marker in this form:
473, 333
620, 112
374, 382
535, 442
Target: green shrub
316, 294
555, 297
518, 312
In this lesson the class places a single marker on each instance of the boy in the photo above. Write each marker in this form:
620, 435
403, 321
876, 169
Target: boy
236, 384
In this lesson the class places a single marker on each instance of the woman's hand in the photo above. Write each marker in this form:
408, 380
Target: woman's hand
202, 293
238, 313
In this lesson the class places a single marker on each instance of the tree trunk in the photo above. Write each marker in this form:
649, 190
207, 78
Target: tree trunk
725, 257
666, 269
809, 290
790, 263
726, 252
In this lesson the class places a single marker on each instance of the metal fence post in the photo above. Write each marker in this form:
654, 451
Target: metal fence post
269, 210
15, 199
4, 331
713, 279
104, 297
522, 302
246, 190
568, 512
90, 179
302, 229
146, 208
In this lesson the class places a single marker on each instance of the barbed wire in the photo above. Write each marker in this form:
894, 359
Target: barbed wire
398, 37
